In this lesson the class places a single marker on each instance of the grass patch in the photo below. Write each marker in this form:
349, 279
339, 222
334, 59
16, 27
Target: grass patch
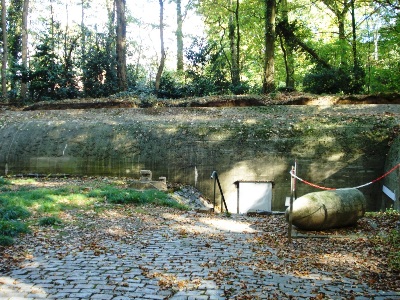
6, 241
50, 221
13, 228
19, 204
13, 212
130, 196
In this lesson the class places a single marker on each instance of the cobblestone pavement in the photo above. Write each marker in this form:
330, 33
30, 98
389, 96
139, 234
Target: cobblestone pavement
207, 258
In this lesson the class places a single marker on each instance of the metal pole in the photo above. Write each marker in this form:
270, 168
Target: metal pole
292, 198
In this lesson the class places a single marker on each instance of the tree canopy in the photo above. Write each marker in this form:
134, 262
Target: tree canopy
57, 49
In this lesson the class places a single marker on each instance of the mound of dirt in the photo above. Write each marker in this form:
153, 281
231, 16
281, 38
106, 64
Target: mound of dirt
284, 98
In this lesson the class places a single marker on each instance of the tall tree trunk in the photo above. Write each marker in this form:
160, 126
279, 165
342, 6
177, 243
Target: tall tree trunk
83, 40
354, 41
179, 36
287, 49
5, 49
269, 70
121, 46
162, 58
24, 47
233, 42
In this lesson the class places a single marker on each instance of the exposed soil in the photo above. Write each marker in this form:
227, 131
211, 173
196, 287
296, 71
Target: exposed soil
292, 98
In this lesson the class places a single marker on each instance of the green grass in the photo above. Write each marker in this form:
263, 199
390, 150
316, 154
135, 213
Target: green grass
115, 195
50, 221
6, 240
17, 205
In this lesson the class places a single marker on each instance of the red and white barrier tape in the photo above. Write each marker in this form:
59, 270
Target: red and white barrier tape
356, 187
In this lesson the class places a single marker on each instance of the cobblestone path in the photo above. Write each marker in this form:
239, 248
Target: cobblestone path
204, 258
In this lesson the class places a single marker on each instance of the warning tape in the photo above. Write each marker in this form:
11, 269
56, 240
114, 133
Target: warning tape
356, 187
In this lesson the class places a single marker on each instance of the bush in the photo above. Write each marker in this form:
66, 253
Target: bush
334, 80
49, 221
6, 241
4, 181
13, 213
13, 228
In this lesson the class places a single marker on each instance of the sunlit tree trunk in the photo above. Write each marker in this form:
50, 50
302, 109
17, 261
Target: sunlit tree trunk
83, 38
121, 46
162, 58
234, 42
179, 36
269, 70
287, 49
24, 53
5, 49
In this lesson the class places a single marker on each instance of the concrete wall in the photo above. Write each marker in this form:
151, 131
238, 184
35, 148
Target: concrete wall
392, 181
333, 146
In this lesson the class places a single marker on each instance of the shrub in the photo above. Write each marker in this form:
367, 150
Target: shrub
4, 181
13, 228
6, 241
13, 213
49, 221
334, 80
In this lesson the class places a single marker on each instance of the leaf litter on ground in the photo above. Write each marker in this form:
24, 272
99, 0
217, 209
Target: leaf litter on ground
355, 252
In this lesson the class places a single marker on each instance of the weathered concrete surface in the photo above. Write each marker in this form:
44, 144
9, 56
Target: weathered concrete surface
337, 146
392, 181
328, 209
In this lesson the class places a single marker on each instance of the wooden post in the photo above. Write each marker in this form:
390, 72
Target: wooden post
292, 198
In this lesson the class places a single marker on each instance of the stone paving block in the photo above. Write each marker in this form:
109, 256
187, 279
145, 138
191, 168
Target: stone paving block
80, 295
102, 297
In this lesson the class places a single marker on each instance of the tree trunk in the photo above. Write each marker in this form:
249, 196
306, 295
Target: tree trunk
121, 46
269, 80
24, 47
288, 50
83, 40
162, 58
289, 36
233, 43
354, 42
179, 36
5, 49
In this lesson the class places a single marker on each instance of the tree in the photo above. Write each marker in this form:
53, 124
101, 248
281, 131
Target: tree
287, 49
234, 42
5, 49
340, 9
269, 70
179, 36
24, 47
121, 45
162, 57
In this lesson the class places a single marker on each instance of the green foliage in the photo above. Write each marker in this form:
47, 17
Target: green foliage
130, 196
6, 241
13, 228
4, 181
12, 212
206, 70
99, 73
334, 80
49, 221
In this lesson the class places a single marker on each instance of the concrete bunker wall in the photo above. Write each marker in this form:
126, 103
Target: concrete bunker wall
186, 145
392, 181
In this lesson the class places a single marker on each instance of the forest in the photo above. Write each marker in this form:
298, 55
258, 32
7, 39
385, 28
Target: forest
66, 49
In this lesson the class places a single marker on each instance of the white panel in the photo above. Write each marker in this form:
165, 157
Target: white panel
255, 195
389, 193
